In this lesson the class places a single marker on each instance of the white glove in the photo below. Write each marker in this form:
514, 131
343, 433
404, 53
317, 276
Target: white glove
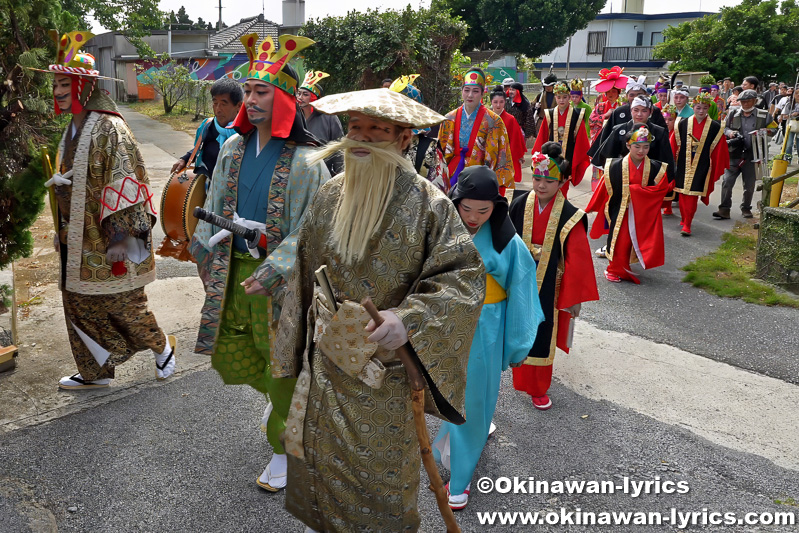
391, 334
251, 224
60, 179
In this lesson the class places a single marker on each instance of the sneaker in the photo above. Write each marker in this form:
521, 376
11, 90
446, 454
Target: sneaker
747, 213
75, 382
613, 278
542, 403
685, 231
492, 428
601, 252
165, 364
458, 501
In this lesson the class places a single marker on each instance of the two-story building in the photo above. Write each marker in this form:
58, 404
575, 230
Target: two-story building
625, 39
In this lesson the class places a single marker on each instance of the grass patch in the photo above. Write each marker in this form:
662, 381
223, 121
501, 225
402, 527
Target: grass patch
179, 119
728, 271
787, 501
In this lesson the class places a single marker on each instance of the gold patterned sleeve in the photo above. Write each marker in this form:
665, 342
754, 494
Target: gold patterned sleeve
441, 311
292, 330
126, 198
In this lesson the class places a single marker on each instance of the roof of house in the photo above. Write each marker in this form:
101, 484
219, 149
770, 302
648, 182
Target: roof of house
656, 16
227, 40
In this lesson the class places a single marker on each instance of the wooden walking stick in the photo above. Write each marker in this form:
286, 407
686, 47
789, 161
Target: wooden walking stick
417, 396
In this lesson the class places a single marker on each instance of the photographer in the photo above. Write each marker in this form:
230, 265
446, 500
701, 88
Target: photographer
790, 115
739, 125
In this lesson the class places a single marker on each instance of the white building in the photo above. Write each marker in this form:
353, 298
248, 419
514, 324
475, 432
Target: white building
624, 39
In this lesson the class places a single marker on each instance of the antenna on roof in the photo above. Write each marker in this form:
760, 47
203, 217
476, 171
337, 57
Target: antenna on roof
219, 24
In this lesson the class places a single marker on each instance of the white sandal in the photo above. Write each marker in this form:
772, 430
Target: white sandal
166, 367
75, 382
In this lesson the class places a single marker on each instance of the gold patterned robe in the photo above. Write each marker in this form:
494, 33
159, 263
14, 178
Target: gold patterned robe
353, 454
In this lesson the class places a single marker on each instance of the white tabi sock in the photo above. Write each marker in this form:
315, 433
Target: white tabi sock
278, 465
160, 358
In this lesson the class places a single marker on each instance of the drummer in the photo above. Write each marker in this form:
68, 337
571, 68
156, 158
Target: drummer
226, 98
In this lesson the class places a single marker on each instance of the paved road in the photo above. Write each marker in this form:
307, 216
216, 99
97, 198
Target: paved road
183, 455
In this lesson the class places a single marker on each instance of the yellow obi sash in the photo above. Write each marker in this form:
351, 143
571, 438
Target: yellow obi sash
494, 291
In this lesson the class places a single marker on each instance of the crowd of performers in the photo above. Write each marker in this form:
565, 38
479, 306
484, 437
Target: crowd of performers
472, 276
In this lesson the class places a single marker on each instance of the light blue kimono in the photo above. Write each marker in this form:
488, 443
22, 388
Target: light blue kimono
505, 334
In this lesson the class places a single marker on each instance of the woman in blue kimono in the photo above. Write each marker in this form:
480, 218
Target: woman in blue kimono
506, 329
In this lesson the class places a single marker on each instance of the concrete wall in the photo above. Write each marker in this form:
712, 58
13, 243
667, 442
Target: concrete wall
620, 32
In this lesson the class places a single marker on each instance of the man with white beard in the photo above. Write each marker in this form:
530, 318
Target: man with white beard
387, 233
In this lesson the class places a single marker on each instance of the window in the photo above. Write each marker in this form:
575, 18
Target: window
639, 39
657, 38
597, 41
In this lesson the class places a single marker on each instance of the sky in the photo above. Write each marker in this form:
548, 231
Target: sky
235, 10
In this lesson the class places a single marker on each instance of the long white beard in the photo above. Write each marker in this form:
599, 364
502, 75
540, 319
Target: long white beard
365, 194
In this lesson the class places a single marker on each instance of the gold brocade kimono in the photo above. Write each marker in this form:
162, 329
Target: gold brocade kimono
353, 453
109, 198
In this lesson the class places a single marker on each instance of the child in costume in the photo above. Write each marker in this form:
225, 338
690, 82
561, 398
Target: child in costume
701, 156
515, 133
629, 204
564, 125
555, 232
506, 328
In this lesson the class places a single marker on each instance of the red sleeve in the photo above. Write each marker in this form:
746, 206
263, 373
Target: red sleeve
579, 282
597, 205
543, 135
517, 145
581, 161
673, 142
719, 162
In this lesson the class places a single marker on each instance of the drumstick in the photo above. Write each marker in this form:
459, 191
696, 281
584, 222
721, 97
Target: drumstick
252, 236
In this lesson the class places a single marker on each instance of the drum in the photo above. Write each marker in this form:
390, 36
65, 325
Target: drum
183, 192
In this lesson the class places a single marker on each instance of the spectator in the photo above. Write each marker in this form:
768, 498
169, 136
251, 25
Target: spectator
738, 125
790, 117
732, 101
226, 97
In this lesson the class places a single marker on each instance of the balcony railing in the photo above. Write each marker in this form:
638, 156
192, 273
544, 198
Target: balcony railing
627, 53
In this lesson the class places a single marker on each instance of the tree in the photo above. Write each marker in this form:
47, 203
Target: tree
26, 115
133, 18
756, 38
172, 81
530, 27
359, 50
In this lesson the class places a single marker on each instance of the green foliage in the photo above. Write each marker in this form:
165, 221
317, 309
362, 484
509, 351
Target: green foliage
361, 49
728, 272
530, 27
756, 38
707, 80
133, 18
26, 114
21, 201
172, 81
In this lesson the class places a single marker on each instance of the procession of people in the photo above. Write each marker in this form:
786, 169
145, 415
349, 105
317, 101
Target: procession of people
472, 273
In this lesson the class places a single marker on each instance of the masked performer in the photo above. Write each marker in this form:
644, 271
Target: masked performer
104, 216
263, 181
384, 232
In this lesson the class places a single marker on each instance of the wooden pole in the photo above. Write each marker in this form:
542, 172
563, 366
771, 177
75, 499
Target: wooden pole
417, 399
